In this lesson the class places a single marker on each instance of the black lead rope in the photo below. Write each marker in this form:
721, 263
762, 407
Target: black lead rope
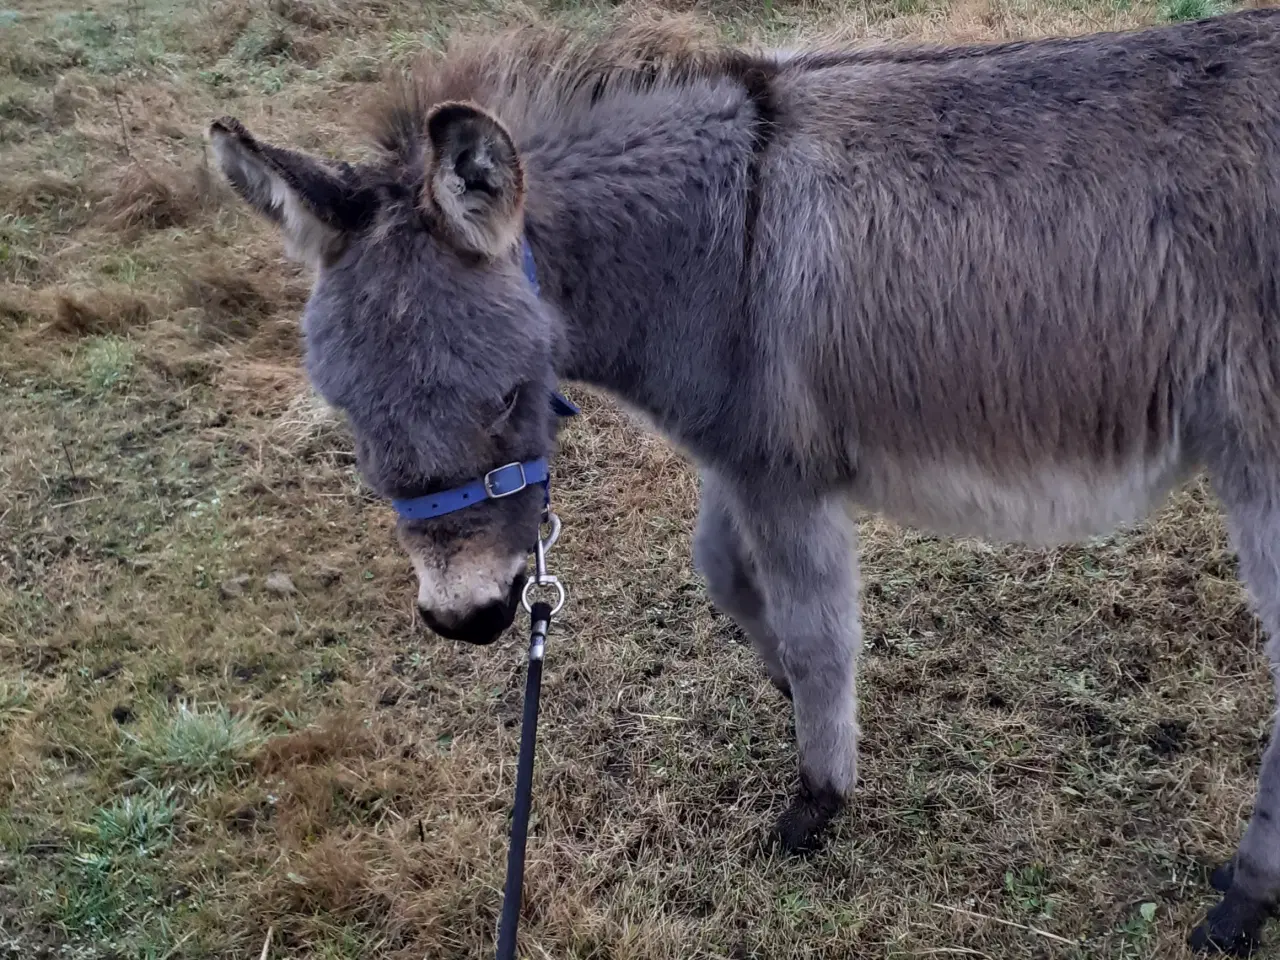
540, 622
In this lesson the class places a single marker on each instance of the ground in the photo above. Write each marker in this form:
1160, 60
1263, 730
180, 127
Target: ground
222, 734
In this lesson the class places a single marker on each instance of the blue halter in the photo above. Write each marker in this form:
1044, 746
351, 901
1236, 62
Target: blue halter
502, 481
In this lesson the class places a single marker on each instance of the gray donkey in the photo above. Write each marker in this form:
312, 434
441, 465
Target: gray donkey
1018, 291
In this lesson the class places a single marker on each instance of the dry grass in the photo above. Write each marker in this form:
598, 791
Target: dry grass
1056, 745
155, 199
106, 309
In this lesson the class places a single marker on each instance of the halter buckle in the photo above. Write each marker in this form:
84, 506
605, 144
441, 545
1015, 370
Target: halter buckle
491, 480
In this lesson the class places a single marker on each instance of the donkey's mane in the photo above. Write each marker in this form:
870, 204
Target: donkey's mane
534, 72
531, 74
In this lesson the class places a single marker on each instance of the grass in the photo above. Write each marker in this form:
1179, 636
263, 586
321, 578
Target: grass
109, 885
1178, 10
108, 363
138, 826
1057, 744
187, 743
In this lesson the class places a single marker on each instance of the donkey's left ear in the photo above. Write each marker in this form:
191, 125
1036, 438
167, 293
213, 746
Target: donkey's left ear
316, 204
474, 179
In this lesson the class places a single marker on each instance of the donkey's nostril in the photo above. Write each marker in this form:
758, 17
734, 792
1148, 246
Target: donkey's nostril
481, 628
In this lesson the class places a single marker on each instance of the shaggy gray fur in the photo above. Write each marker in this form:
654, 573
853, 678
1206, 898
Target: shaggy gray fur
1017, 291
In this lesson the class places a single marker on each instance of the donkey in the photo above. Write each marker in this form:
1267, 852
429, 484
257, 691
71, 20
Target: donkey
1018, 291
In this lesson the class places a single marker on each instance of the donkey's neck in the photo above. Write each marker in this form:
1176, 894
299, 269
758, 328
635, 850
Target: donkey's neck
637, 219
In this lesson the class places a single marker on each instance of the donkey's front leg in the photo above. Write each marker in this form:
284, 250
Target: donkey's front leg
724, 560
806, 567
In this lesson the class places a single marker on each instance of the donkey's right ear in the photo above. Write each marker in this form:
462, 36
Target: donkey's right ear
475, 180
316, 204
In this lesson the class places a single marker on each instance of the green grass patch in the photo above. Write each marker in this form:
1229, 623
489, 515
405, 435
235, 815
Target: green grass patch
1177, 11
19, 249
109, 891
14, 696
187, 744
137, 825
108, 364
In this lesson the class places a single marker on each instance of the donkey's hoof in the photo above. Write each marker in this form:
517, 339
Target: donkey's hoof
1221, 878
1233, 927
800, 828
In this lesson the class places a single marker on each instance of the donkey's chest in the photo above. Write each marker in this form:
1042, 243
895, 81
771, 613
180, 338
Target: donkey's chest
1055, 503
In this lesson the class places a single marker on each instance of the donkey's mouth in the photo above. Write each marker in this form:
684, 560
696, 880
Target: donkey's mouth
485, 625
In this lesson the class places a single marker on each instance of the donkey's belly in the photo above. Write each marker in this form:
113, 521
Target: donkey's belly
1054, 504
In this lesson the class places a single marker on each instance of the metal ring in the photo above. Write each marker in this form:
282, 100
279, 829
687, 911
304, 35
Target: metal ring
549, 582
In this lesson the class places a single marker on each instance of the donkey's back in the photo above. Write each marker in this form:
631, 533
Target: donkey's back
1029, 287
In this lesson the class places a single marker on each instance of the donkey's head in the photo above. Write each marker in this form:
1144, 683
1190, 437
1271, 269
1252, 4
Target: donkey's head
423, 328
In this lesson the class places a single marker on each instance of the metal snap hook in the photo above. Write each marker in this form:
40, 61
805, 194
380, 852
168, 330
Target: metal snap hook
541, 578
554, 535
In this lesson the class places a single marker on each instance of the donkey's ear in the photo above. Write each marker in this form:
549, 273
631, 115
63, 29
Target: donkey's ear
315, 204
474, 182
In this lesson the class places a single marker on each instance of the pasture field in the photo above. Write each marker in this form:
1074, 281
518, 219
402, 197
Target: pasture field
223, 735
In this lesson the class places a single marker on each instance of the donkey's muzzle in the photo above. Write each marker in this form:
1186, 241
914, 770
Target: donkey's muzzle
482, 626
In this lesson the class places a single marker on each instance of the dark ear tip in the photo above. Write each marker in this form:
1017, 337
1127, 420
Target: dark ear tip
449, 112
230, 127
455, 115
